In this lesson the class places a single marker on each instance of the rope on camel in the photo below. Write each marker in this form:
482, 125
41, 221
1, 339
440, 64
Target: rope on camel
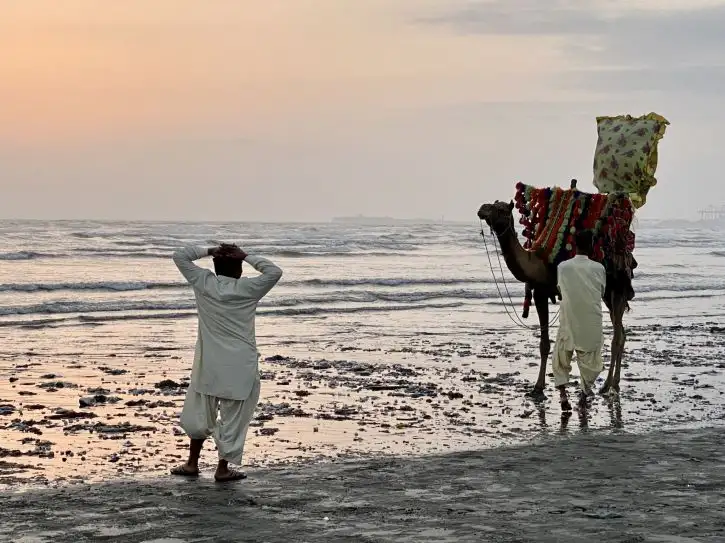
518, 321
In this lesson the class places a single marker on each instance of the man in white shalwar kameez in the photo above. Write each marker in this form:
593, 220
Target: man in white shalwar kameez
581, 282
224, 387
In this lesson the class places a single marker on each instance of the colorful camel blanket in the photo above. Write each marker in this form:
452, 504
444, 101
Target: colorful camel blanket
551, 216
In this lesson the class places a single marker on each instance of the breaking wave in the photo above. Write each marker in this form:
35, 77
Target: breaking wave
109, 286
24, 255
283, 304
302, 311
165, 255
124, 286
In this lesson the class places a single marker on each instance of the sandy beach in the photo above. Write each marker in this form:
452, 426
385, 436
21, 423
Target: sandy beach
99, 416
664, 487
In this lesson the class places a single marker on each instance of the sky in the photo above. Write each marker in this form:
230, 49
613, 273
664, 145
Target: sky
303, 110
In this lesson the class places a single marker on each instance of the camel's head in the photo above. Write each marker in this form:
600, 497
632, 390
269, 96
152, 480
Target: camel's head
498, 215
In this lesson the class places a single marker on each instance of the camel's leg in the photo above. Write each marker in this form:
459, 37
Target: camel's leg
620, 339
541, 300
612, 359
616, 314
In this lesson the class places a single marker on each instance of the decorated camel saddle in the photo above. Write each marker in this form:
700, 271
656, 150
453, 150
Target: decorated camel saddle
551, 216
625, 161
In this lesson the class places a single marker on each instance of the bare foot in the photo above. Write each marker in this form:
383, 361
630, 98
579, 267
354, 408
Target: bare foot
227, 475
185, 470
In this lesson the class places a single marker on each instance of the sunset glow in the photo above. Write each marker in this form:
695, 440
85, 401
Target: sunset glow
89, 78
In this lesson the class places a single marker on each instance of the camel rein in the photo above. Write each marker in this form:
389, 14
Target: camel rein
518, 321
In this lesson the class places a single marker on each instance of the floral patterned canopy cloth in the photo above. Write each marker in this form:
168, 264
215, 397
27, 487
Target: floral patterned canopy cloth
625, 158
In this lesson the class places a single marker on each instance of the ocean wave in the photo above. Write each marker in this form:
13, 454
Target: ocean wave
676, 241
296, 312
83, 253
288, 253
374, 288
659, 298
357, 309
34, 323
282, 303
165, 255
131, 243
700, 285
124, 286
368, 296
136, 317
645, 298
388, 282
103, 286
308, 292
24, 255
129, 254
322, 311
59, 308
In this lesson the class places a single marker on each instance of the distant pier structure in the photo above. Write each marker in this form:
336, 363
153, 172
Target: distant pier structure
712, 213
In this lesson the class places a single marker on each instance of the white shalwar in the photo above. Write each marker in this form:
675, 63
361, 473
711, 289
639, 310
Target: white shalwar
581, 282
199, 421
225, 374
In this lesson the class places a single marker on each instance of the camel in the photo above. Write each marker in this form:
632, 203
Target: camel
540, 277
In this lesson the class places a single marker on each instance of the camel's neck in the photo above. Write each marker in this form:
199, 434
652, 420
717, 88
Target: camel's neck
523, 264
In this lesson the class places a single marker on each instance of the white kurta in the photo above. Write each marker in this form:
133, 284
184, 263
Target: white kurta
581, 282
226, 357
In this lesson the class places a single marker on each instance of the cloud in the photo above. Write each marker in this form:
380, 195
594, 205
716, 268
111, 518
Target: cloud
708, 81
631, 48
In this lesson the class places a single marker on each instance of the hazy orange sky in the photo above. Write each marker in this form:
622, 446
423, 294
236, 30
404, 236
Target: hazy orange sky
306, 109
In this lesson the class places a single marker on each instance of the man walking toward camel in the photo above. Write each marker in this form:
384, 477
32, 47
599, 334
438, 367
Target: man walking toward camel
581, 283
224, 388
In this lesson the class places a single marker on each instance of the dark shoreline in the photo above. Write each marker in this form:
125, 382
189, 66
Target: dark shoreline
666, 486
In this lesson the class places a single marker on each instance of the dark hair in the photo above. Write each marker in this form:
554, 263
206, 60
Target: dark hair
584, 240
229, 267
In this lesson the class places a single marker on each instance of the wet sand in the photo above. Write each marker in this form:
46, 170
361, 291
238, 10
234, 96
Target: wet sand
78, 417
666, 487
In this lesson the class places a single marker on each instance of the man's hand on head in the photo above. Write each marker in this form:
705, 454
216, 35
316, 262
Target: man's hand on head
237, 253
220, 251
228, 250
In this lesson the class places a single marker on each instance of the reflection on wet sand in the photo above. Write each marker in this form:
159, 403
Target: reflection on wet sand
86, 416
583, 420
541, 413
564, 427
614, 407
